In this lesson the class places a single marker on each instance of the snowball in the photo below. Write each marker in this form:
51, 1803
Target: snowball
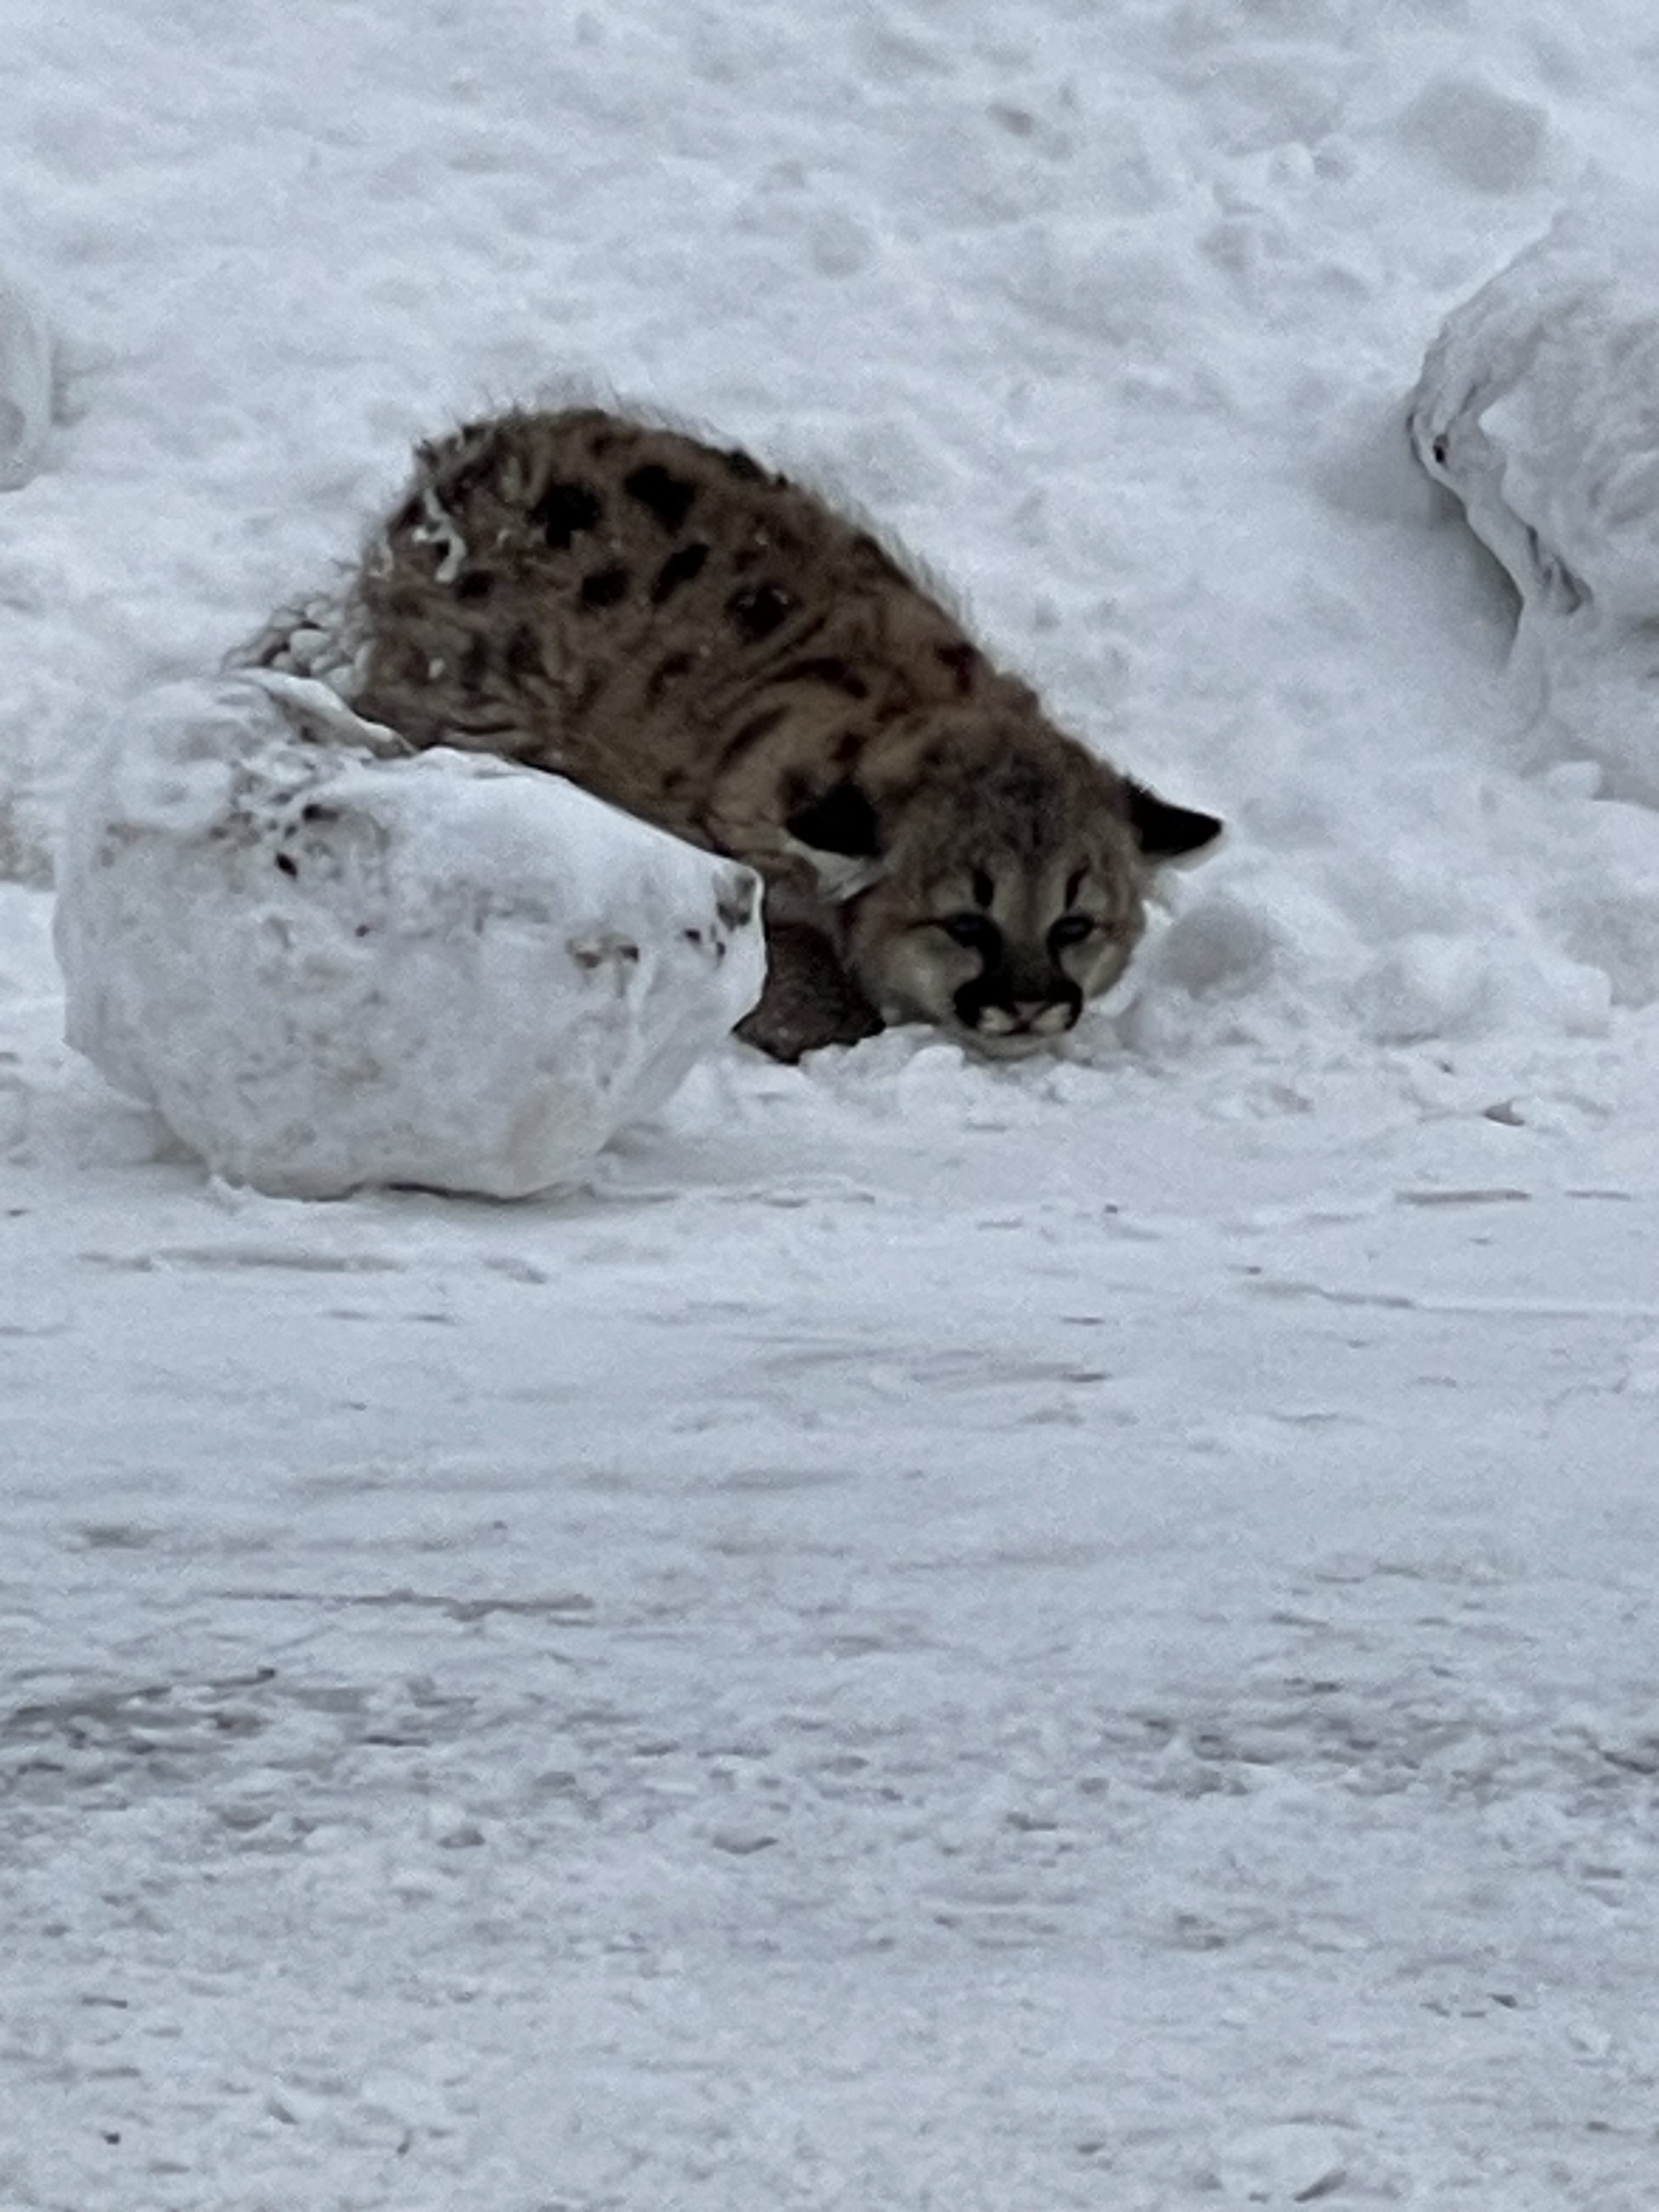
1426, 986
1539, 406
326, 965
1218, 945
25, 385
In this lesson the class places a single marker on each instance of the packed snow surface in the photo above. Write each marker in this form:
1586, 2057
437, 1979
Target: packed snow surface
326, 967
1078, 1635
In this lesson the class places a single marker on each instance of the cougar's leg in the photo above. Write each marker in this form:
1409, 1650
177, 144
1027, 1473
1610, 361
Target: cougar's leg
808, 1001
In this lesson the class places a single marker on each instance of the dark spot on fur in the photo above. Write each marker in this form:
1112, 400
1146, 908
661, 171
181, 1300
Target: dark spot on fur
465, 469
692, 936
751, 733
314, 811
407, 515
475, 665
524, 655
841, 820
604, 587
287, 864
1440, 449
474, 584
564, 511
984, 890
667, 671
661, 492
757, 610
828, 669
962, 661
895, 704
678, 568
587, 694
675, 781
849, 745
745, 469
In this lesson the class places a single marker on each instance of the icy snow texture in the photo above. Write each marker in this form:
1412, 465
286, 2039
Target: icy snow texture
1539, 406
327, 968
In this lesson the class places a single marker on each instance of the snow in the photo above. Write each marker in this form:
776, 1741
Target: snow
327, 966
26, 385
1066, 1635
1539, 406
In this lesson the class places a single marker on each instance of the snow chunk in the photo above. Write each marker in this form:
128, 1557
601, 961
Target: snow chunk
1539, 406
1218, 945
326, 965
1426, 986
25, 385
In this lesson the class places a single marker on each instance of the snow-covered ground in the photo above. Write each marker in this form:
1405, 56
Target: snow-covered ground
1078, 1634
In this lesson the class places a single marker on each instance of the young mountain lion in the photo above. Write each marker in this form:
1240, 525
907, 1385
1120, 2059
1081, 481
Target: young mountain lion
717, 651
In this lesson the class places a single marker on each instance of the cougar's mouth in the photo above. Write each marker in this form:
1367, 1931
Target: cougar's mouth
1012, 1032
1006, 1026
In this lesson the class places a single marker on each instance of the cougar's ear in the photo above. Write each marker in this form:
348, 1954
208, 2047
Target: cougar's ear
839, 836
1164, 832
842, 821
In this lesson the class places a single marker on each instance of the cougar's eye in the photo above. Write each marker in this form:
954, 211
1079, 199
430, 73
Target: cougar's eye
976, 931
1071, 929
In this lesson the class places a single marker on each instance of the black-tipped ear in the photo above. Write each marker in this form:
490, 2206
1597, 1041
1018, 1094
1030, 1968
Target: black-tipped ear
1165, 832
842, 821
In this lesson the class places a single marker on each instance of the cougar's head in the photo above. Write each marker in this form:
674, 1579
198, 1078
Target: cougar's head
992, 876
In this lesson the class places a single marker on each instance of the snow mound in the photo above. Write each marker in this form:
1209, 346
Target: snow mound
326, 965
1539, 406
25, 385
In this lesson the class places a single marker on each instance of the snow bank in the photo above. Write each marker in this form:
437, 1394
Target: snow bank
25, 384
326, 967
1539, 406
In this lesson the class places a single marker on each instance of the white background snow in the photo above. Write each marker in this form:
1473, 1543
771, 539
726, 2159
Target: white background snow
1079, 1635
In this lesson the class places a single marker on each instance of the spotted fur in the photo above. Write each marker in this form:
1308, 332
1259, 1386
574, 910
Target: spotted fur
718, 652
